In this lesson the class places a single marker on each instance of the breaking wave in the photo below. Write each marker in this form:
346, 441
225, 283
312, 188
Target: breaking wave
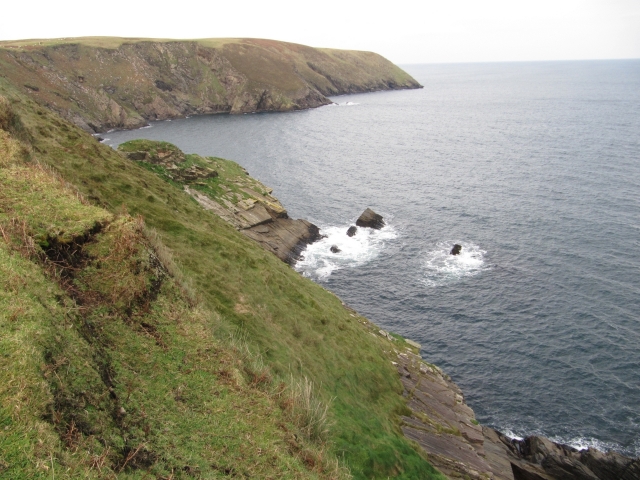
343, 104
579, 443
319, 262
442, 268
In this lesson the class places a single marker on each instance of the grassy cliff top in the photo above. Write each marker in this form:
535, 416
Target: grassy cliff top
116, 42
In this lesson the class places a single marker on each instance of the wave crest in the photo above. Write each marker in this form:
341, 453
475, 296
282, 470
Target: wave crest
319, 262
442, 268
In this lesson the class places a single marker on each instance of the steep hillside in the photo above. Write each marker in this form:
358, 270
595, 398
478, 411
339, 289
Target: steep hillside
104, 83
141, 332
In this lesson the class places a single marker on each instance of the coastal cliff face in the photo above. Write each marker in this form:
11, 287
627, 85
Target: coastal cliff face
106, 83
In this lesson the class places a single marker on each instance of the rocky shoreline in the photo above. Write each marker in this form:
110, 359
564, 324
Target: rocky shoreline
444, 426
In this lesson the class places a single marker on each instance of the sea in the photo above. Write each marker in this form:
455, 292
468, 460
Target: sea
534, 168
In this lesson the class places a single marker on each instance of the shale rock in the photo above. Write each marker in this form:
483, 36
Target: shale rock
352, 231
444, 426
370, 219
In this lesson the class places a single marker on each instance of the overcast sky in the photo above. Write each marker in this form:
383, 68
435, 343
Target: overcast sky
405, 31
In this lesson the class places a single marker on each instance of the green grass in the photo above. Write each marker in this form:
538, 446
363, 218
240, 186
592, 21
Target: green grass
107, 368
231, 184
175, 364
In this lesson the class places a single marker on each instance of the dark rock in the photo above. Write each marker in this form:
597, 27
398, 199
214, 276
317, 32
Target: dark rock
286, 238
456, 249
335, 249
538, 458
370, 219
352, 231
611, 464
100, 139
165, 87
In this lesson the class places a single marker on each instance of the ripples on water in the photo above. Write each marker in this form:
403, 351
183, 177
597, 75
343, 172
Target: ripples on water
532, 167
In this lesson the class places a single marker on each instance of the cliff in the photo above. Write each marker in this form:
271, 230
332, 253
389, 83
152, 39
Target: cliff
105, 83
146, 328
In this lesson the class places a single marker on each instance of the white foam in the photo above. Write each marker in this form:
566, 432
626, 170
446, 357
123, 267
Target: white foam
442, 268
319, 262
146, 126
579, 443
509, 433
583, 443
344, 104
105, 140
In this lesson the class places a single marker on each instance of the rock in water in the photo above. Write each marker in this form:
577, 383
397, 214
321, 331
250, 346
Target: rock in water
370, 219
335, 249
456, 249
352, 231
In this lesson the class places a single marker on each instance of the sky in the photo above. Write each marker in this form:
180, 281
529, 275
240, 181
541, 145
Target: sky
404, 31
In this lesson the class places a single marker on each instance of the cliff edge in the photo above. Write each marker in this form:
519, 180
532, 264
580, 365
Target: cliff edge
102, 83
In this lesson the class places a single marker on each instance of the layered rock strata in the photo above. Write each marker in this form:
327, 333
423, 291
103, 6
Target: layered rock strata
226, 189
444, 426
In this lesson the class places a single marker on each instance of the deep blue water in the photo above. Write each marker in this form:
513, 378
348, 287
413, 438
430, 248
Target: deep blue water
535, 169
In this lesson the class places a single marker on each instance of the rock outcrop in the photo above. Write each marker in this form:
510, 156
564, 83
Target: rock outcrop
370, 219
105, 83
457, 248
538, 458
446, 429
263, 219
232, 194
335, 249
352, 231
444, 426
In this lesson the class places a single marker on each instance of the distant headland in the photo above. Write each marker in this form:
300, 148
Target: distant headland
102, 83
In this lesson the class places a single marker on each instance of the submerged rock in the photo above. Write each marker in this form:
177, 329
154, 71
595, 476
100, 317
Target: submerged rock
352, 231
370, 219
456, 249
335, 249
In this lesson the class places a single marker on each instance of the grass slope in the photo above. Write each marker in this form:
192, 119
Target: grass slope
190, 396
108, 367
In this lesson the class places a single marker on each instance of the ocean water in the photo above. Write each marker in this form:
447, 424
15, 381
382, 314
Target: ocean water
534, 168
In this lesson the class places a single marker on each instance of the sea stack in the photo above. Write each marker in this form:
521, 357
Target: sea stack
457, 248
370, 219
